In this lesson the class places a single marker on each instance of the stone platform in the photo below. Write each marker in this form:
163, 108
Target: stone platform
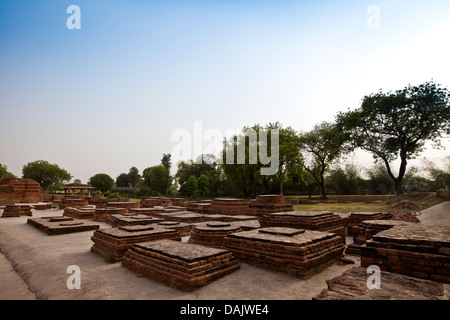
229, 206
211, 234
301, 253
269, 203
101, 214
367, 229
310, 220
416, 250
199, 207
79, 212
112, 243
16, 211
61, 225
123, 204
355, 218
182, 265
71, 202
130, 219
182, 227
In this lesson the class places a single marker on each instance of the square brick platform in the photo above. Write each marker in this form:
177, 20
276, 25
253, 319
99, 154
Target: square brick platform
130, 219
61, 225
310, 220
416, 250
182, 265
301, 253
112, 243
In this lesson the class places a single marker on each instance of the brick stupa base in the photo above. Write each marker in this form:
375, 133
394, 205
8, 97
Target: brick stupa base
182, 265
130, 219
16, 211
366, 230
79, 212
112, 243
229, 206
418, 250
269, 203
61, 225
355, 218
101, 214
310, 220
211, 234
182, 227
301, 253
123, 204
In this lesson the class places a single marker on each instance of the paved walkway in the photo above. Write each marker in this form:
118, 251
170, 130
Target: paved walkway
12, 286
436, 215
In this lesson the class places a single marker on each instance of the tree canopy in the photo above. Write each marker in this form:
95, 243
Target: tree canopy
102, 182
397, 124
45, 173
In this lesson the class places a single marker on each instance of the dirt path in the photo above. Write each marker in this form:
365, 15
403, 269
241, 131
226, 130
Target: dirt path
42, 262
436, 215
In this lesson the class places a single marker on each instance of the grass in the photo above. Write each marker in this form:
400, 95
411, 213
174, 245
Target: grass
343, 207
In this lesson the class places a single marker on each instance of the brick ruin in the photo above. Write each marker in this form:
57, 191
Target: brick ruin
310, 220
72, 202
79, 212
61, 225
123, 204
301, 253
130, 219
151, 202
211, 234
269, 203
182, 265
16, 211
112, 243
101, 214
199, 207
15, 190
417, 250
182, 227
356, 218
366, 230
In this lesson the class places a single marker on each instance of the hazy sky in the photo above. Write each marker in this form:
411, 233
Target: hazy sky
109, 95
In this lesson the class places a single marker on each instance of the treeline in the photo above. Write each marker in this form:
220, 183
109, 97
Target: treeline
392, 126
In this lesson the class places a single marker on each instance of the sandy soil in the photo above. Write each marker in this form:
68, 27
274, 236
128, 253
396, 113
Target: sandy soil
40, 265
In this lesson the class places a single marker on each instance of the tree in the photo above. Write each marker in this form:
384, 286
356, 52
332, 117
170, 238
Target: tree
288, 150
205, 164
45, 174
4, 172
191, 185
157, 178
320, 147
203, 185
133, 177
122, 180
102, 182
166, 161
397, 125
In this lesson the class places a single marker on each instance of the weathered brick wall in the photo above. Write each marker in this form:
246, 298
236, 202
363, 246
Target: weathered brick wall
15, 190
16, 211
416, 250
300, 253
178, 264
112, 243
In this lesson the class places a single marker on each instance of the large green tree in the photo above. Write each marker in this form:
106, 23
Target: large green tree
133, 176
4, 173
396, 125
157, 178
102, 182
45, 173
320, 147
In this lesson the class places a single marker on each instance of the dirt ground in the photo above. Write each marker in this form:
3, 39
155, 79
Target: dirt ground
34, 266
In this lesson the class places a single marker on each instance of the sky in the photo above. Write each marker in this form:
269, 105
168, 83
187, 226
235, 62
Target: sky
110, 95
